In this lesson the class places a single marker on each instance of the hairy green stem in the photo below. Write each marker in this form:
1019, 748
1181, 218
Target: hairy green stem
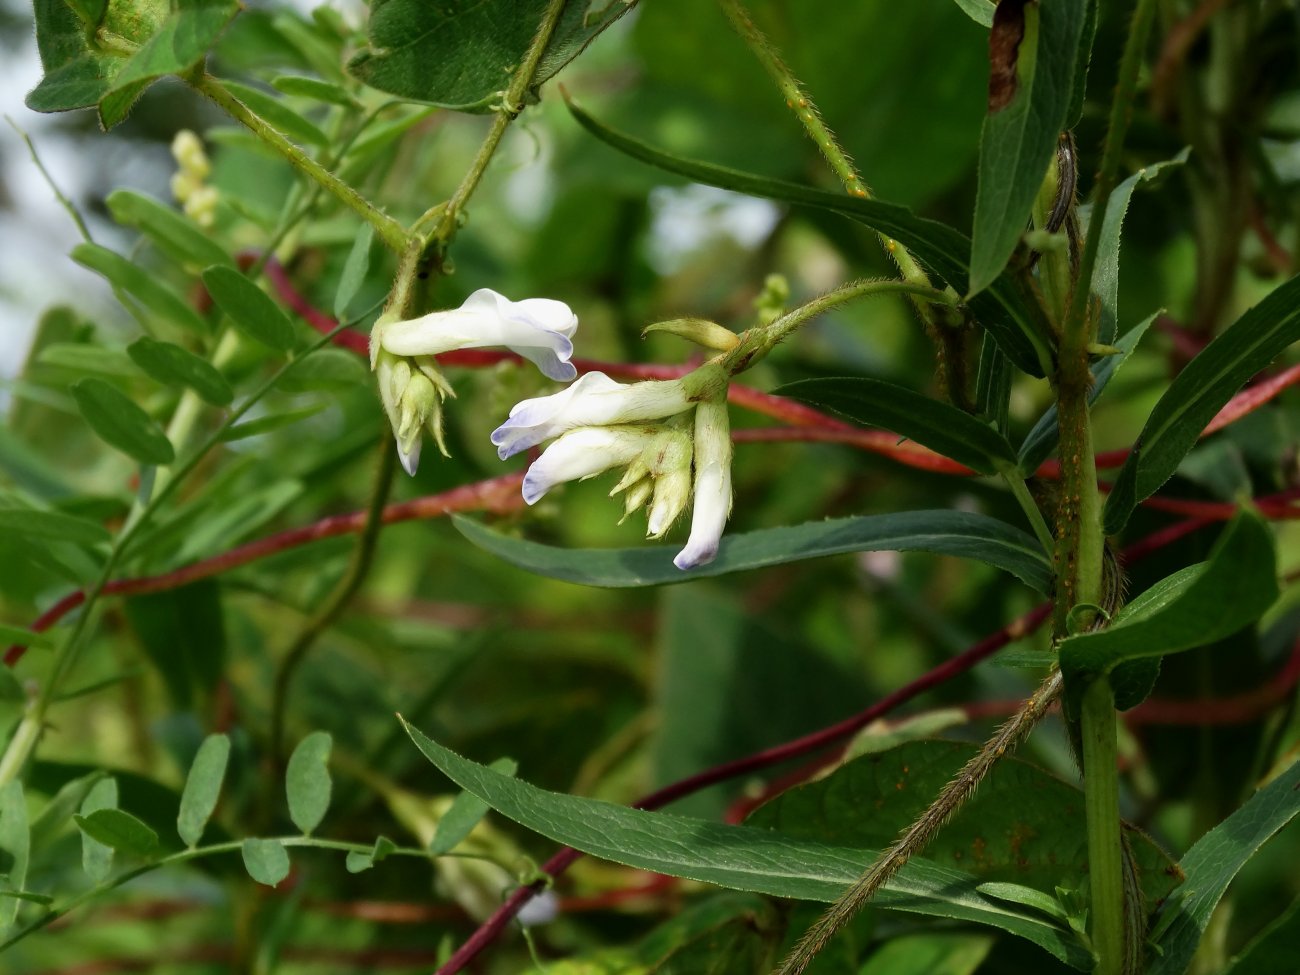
798, 100
447, 214
916, 837
362, 557
1105, 844
388, 229
28, 733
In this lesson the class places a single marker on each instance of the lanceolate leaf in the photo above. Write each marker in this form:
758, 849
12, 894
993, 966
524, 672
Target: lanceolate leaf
1210, 866
943, 428
172, 232
740, 857
460, 53
1013, 318
119, 830
139, 284
120, 423
464, 813
1199, 392
1196, 606
15, 847
959, 533
52, 526
1033, 48
980, 11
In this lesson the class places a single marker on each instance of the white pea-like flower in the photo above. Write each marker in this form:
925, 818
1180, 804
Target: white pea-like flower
712, 486
410, 385
539, 329
594, 400
583, 453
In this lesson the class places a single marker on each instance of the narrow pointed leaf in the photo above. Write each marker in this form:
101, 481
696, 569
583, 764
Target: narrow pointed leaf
119, 422
943, 428
1033, 48
173, 365
119, 831
958, 533
15, 844
172, 232
267, 861
202, 788
54, 526
1211, 864
354, 271
980, 11
1199, 392
1192, 608
1012, 317
464, 813
249, 307
740, 857
139, 284
307, 781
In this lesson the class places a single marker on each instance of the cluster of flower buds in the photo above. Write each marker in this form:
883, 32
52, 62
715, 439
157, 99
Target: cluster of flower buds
189, 182
670, 437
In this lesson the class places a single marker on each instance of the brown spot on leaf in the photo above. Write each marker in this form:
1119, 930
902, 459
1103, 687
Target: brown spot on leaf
1004, 49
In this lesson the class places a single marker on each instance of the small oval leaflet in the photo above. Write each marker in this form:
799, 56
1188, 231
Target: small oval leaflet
267, 861
307, 781
120, 423
249, 307
202, 788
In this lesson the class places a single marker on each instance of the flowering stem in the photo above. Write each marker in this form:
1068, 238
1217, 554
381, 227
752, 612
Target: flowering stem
797, 99
447, 214
388, 229
758, 342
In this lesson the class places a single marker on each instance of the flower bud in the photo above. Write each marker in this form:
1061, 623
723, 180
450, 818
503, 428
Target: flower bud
712, 485
187, 150
702, 332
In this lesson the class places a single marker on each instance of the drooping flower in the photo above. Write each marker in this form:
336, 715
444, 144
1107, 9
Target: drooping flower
410, 385
672, 437
712, 486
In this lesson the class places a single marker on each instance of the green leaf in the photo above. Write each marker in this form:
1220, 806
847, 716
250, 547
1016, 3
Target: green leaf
461, 53
464, 813
1046, 433
173, 234
1022, 826
149, 40
280, 115
86, 358
354, 271
959, 533
980, 11
1033, 48
993, 385
299, 86
119, 831
739, 857
249, 307
97, 857
52, 526
1211, 864
933, 953
173, 365
267, 861
1026, 897
202, 788
1015, 320
1198, 393
1193, 607
16, 843
943, 428
721, 935
51, 820
139, 284
120, 423
357, 862
328, 369
307, 781
1105, 273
